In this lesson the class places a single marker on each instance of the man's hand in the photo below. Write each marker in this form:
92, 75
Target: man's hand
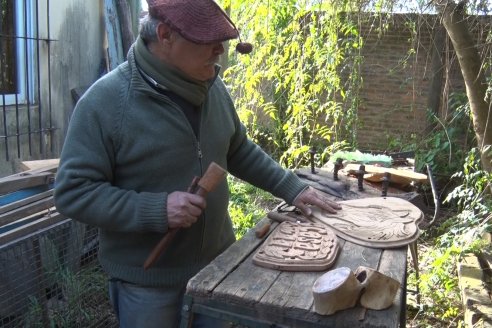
311, 196
184, 208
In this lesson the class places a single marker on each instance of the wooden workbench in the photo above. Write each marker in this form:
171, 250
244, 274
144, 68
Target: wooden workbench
235, 289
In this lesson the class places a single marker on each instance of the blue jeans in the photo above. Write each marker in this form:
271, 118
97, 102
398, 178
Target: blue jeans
149, 307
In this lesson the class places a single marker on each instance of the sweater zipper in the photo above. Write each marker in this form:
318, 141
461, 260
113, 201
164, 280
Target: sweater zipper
153, 82
200, 156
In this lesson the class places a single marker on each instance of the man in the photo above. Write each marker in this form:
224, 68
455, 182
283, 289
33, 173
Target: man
136, 140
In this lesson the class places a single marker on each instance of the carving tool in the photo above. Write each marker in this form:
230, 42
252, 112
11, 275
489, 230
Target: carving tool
312, 152
289, 216
199, 186
338, 166
360, 177
262, 231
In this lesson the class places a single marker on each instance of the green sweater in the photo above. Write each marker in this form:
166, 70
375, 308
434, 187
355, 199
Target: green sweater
128, 147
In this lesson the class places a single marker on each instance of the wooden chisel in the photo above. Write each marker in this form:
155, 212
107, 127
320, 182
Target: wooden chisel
200, 186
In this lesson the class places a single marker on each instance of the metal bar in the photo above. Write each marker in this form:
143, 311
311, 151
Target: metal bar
27, 133
41, 296
4, 112
10, 36
415, 259
186, 314
49, 76
8, 49
403, 302
17, 125
38, 69
26, 44
437, 204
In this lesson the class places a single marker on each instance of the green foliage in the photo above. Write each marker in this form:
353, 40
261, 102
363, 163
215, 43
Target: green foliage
460, 234
77, 304
438, 284
399, 143
473, 199
80, 290
445, 148
299, 88
73, 298
247, 205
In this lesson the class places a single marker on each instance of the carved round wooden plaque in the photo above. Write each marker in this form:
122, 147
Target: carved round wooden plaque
374, 222
298, 247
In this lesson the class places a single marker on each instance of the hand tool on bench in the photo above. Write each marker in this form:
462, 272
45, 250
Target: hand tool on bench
291, 217
200, 186
283, 212
262, 231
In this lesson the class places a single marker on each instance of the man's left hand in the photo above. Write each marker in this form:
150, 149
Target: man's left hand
311, 196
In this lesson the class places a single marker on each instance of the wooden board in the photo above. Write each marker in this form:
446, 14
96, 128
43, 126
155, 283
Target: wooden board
37, 224
374, 222
17, 182
27, 210
399, 176
24, 196
39, 164
113, 34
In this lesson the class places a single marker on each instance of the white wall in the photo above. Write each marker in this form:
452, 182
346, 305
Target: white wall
77, 56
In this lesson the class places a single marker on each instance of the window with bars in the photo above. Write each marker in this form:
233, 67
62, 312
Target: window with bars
25, 84
17, 49
8, 63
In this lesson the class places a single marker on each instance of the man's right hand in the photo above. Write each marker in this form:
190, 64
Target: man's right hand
184, 208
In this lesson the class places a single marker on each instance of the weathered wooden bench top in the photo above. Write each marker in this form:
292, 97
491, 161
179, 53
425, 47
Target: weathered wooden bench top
232, 287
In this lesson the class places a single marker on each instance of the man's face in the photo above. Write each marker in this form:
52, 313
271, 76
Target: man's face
195, 60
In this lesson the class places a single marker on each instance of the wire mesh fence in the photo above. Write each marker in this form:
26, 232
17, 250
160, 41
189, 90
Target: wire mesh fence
51, 278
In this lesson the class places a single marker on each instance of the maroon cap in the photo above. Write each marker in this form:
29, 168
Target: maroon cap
200, 21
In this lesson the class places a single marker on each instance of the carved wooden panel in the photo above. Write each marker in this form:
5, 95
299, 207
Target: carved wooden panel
298, 247
374, 222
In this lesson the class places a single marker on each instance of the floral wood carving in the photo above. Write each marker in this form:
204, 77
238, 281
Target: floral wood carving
374, 222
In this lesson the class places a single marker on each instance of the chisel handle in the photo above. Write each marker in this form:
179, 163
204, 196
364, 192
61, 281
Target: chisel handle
199, 186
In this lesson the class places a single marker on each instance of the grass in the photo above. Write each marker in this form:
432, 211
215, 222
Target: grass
248, 205
440, 303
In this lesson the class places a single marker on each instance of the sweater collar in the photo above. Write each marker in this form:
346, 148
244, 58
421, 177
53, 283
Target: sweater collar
162, 75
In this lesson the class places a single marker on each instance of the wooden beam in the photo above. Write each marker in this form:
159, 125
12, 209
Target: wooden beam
39, 164
25, 201
125, 19
36, 226
26, 211
376, 174
113, 31
22, 181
